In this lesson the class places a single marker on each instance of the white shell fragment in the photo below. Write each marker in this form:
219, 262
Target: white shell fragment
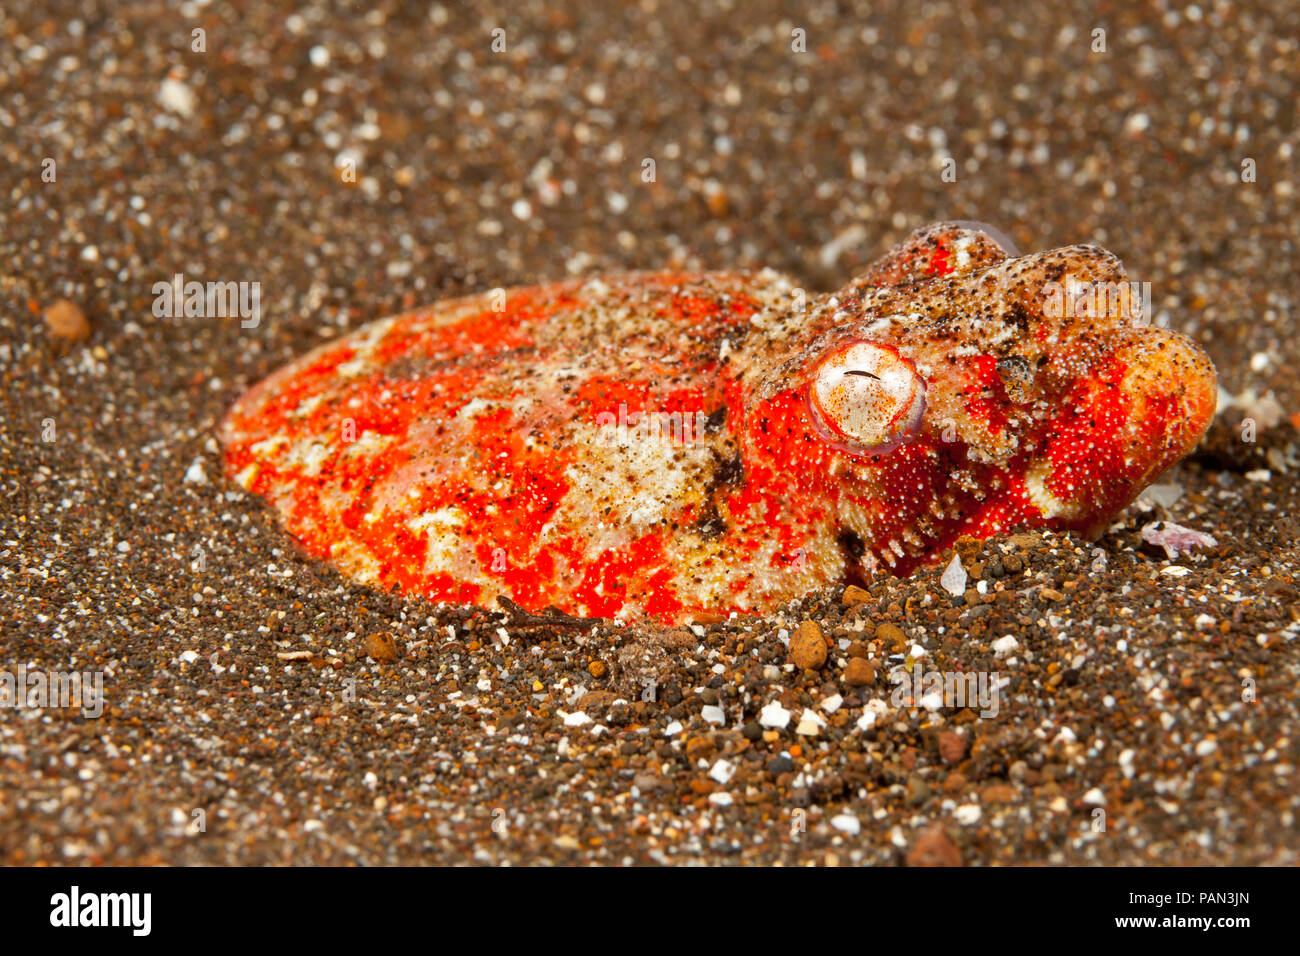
1174, 538
954, 578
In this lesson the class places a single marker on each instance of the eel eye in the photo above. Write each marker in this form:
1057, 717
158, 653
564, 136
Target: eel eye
866, 398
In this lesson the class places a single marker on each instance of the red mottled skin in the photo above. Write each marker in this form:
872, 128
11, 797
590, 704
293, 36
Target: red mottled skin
491, 446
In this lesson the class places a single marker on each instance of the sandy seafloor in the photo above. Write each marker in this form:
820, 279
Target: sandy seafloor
479, 169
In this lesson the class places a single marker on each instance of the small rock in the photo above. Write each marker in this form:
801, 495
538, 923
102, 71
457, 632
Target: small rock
1174, 538
952, 746
854, 595
175, 97
723, 771
707, 617
846, 823
1000, 793
892, 635
1166, 496
700, 747
860, 672
66, 323
774, 716
647, 782
779, 765
808, 647
810, 724
596, 700
381, 647
933, 848
598, 668
954, 578
195, 475
1004, 645
868, 719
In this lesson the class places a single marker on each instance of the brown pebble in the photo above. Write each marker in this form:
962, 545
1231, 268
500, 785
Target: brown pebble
860, 672
381, 647
596, 700
952, 746
1051, 594
1000, 793
706, 618
891, 634
808, 647
66, 322
598, 668
934, 848
717, 202
701, 746
854, 595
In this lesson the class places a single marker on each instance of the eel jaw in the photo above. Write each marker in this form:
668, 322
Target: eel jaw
1147, 407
